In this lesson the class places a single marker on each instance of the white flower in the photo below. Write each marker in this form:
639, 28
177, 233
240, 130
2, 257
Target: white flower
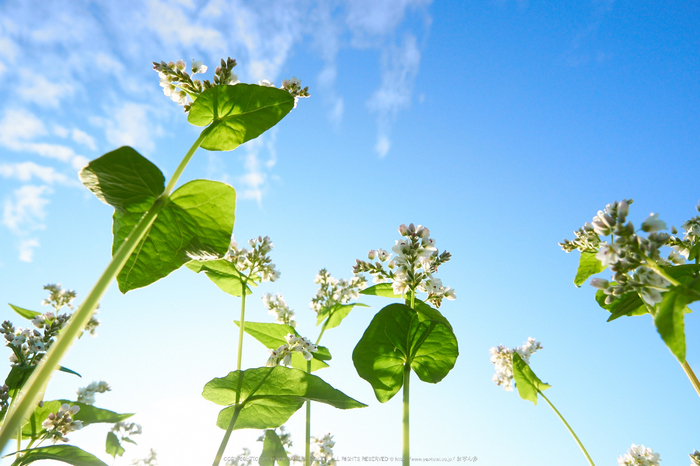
265, 83
608, 254
502, 359
197, 67
603, 223
181, 65
639, 456
653, 224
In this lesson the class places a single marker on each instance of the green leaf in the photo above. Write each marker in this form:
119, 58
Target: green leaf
398, 336
336, 314
588, 266
273, 451
669, 317
69, 371
274, 335
224, 275
197, 221
238, 113
65, 453
381, 289
629, 304
124, 179
526, 381
267, 396
88, 414
18, 376
26, 313
112, 445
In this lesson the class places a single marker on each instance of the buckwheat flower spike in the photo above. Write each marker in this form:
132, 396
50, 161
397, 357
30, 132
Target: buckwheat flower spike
58, 424
332, 291
87, 394
283, 354
322, 451
277, 307
639, 455
254, 263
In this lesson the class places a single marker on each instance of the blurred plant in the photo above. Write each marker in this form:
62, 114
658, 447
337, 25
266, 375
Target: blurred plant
639, 456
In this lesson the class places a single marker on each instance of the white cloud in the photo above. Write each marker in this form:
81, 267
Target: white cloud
399, 70
26, 211
25, 171
372, 19
253, 183
26, 249
130, 124
34, 87
175, 27
83, 138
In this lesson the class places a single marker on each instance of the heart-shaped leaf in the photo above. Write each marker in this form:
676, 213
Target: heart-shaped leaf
224, 275
669, 317
65, 453
238, 113
273, 336
196, 221
266, 397
112, 445
588, 265
124, 179
526, 381
398, 336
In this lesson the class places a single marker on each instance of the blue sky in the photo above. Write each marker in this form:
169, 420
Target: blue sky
500, 125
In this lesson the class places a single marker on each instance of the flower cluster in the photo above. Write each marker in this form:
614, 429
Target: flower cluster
689, 245
322, 451
502, 359
29, 345
58, 297
150, 460
58, 424
180, 87
412, 269
332, 291
278, 307
283, 354
86, 395
293, 86
633, 259
639, 455
255, 264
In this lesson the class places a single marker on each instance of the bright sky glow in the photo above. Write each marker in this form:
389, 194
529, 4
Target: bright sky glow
500, 125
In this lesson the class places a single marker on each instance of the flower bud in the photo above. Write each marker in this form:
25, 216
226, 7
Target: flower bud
371, 254
403, 229
653, 224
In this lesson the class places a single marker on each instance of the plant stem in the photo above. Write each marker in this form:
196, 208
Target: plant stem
655, 267
33, 390
227, 435
691, 375
241, 326
571, 431
406, 442
307, 451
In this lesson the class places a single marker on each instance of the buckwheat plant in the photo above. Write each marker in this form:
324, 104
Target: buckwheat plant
649, 273
322, 451
51, 420
512, 366
157, 228
332, 303
411, 335
639, 455
120, 434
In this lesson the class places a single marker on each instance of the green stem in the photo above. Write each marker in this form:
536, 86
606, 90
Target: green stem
307, 450
691, 375
406, 440
241, 327
655, 267
571, 431
33, 390
180, 168
227, 435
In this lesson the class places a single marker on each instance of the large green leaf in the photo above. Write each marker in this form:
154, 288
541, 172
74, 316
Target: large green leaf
588, 265
238, 113
273, 336
526, 381
273, 451
124, 179
224, 275
26, 313
335, 314
64, 453
197, 221
112, 445
88, 414
381, 289
669, 317
398, 336
267, 396
20, 374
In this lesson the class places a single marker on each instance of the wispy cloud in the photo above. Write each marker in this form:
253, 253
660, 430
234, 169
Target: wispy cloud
130, 124
26, 171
